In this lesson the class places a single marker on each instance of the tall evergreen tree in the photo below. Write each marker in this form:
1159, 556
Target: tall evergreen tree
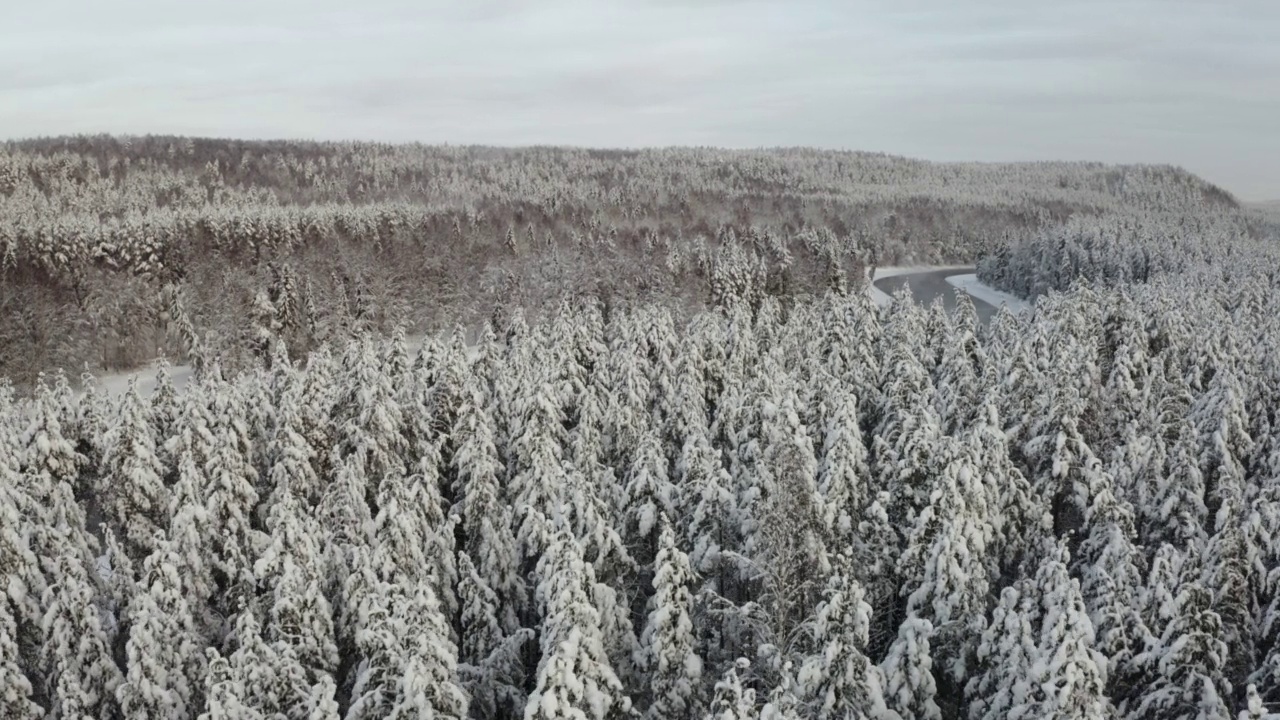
909, 686
668, 653
575, 678
839, 680
132, 487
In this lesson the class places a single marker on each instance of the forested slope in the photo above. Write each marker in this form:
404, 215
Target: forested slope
115, 250
806, 510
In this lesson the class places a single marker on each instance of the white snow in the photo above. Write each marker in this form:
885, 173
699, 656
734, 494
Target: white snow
969, 283
118, 383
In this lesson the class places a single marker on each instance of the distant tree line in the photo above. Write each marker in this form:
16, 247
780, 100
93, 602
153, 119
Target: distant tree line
99, 234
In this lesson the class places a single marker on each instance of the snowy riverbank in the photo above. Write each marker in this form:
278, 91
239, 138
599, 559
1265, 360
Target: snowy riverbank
987, 294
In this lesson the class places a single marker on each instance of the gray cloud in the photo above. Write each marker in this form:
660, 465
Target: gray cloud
1174, 81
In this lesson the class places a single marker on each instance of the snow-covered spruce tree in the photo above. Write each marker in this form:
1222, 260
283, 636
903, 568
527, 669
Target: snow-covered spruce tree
591, 450
20, 570
164, 655
1063, 466
790, 553
622, 646
165, 411
488, 538
1227, 563
876, 556
536, 466
79, 673
292, 569
909, 686
1186, 677
850, 331
709, 510
290, 456
117, 584
132, 487
258, 679
597, 525
490, 665
1111, 565
195, 433
407, 661
575, 678
1175, 510
425, 659
906, 438
844, 477
958, 377
650, 495
628, 413
316, 405
81, 418
16, 690
234, 544
838, 681
685, 410
368, 421
1019, 519
1069, 674
300, 624
48, 455
732, 701
667, 647
1222, 422
1001, 685
1163, 581
414, 540
944, 564
348, 527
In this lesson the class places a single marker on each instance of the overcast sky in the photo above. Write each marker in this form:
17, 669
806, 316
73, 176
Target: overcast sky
1194, 83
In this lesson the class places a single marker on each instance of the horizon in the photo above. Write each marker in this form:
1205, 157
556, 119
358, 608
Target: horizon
1160, 84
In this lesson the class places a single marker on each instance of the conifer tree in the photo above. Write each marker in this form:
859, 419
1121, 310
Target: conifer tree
1002, 684
1111, 579
230, 499
669, 656
710, 521
486, 521
48, 454
165, 659
790, 550
944, 564
909, 687
79, 672
575, 678
132, 487
489, 661
290, 456
843, 474
16, 690
838, 680
733, 701
369, 423
1187, 678
650, 495
1069, 674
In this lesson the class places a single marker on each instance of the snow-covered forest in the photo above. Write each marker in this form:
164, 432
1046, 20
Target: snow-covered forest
657, 454
816, 509
118, 250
